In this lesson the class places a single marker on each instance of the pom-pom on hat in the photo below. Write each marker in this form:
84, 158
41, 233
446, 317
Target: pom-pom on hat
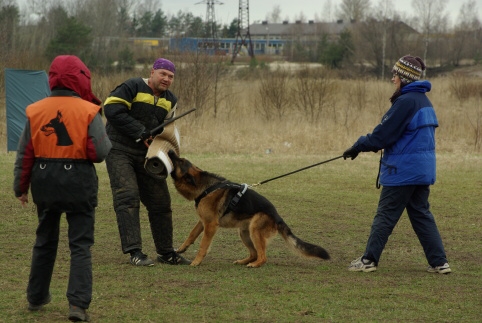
162, 63
409, 68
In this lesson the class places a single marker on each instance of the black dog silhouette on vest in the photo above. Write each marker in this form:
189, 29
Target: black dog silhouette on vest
57, 126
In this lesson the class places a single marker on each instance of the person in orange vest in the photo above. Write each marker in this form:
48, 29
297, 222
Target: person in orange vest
64, 136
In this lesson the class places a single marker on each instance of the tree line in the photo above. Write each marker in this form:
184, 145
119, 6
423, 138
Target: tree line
96, 31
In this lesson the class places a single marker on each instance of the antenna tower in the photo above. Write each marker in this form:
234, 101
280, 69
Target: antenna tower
243, 36
211, 28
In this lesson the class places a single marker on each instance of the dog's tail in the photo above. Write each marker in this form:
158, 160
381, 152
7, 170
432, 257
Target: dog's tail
304, 248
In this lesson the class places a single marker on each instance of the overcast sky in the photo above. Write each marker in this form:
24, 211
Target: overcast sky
290, 9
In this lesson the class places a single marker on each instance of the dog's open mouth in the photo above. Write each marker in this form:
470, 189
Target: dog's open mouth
172, 155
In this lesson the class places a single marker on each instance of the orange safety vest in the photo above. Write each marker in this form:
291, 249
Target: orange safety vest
59, 126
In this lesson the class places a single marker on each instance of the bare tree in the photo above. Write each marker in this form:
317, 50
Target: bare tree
142, 6
328, 14
274, 94
313, 93
301, 17
465, 30
193, 90
40, 23
9, 19
354, 10
369, 42
275, 15
431, 17
373, 33
102, 18
384, 12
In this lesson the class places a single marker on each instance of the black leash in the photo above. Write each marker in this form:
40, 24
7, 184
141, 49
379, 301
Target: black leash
171, 120
296, 171
165, 123
377, 184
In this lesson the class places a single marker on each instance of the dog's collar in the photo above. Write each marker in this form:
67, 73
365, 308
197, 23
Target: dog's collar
242, 189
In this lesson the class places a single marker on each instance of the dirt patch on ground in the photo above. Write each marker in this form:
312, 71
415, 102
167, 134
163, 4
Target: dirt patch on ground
292, 66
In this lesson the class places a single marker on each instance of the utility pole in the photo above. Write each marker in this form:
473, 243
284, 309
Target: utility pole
211, 27
243, 36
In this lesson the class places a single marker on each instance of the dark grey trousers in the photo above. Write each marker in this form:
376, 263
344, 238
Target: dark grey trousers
81, 238
393, 201
131, 185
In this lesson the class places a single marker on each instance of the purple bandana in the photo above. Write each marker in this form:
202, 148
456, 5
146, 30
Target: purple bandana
162, 63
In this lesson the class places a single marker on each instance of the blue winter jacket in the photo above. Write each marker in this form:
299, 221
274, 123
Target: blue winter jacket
407, 135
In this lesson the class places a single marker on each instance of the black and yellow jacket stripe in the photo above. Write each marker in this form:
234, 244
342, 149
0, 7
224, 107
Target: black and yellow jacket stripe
131, 109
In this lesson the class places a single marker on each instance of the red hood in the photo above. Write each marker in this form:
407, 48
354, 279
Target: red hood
68, 71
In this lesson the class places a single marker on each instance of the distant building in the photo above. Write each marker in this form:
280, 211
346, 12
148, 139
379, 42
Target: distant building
273, 38
266, 38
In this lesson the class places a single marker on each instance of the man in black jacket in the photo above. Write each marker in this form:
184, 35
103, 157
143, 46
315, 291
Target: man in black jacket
133, 109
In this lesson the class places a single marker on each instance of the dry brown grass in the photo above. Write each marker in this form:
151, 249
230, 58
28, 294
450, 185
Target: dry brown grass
235, 121
239, 127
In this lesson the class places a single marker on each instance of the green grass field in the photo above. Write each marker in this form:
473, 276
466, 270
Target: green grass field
331, 205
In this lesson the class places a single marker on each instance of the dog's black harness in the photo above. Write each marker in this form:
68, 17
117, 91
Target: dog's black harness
242, 188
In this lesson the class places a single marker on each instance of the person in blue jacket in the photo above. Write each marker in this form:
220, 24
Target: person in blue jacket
406, 135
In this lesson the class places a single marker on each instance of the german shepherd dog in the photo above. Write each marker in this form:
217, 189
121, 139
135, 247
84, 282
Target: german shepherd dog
220, 203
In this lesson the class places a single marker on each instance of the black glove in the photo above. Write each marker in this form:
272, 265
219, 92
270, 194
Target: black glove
146, 135
351, 152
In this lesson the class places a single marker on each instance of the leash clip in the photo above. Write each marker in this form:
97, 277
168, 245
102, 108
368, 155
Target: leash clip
238, 196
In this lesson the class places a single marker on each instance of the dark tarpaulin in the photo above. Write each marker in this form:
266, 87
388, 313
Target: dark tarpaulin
22, 87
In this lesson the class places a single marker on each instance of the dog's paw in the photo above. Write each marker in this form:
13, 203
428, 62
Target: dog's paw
240, 262
244, 261
255, 264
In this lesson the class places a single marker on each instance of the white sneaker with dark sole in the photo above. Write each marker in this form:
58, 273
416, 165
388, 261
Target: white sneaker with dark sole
173, 258
444, 269
140, 259
363, 265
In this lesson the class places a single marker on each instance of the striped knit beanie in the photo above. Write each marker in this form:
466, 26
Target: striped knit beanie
409, 68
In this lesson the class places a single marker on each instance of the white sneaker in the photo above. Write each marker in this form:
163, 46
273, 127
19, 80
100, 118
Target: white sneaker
444, 269
141, 259
361, 264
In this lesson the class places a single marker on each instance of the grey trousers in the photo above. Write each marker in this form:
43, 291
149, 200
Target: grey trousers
132, 185
393, 201
81, 238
